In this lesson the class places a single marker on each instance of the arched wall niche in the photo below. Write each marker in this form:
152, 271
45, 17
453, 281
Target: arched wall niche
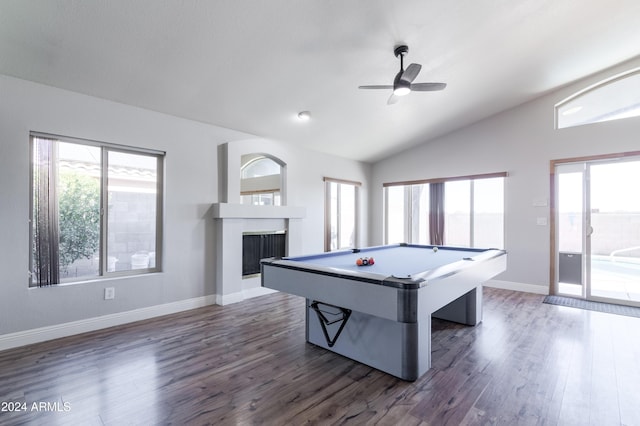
230, 156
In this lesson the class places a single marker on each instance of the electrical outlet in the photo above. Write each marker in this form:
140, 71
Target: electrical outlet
109, 293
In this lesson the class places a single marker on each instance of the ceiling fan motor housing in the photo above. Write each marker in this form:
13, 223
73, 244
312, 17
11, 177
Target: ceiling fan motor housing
401, 50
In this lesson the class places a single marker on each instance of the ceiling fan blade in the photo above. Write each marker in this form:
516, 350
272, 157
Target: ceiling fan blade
393, 99
387, 86
428, 87
411, 73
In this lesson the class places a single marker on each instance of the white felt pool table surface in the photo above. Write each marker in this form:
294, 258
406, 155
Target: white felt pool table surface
396, 260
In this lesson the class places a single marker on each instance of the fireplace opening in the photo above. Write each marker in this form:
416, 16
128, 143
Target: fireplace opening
261, 245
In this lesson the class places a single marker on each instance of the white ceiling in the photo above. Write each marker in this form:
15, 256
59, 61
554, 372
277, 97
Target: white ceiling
252, 65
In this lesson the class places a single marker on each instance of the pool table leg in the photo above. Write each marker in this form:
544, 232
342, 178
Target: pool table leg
466, 309
424, 351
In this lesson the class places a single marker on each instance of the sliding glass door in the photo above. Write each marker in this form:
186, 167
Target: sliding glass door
597, 229
614, 212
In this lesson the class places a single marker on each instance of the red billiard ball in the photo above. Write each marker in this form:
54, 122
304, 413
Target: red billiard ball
371, 261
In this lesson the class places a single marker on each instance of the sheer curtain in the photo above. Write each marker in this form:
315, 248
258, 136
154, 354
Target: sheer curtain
46, 269
436, 213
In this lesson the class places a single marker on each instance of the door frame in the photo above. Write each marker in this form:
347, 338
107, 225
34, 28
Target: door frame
552, 205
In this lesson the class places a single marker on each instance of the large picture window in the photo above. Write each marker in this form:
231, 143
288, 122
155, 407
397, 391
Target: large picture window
461, 211
96, 210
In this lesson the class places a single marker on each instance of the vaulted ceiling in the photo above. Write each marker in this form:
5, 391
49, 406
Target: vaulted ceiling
252, 65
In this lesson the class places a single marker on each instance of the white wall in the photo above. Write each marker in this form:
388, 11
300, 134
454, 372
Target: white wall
191, 183
520, 141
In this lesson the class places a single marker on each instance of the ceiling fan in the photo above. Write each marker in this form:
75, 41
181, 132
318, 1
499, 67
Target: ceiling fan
403, 83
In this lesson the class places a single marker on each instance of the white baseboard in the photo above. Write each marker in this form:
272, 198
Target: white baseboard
227, 299
27, 337
510, 285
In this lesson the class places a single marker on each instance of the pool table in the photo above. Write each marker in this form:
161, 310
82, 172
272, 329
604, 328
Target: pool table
380, 314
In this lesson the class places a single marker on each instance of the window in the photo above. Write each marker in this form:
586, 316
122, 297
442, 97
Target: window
407, 213
457, 213
488, 213
396, 214
462, 211
612, 99
260, 181
341, 214
96, 210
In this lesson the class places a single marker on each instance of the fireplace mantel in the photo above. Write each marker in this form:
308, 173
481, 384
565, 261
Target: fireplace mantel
232, 220
247, 211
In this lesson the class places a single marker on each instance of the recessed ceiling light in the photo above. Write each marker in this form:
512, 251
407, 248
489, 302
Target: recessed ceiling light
304, 115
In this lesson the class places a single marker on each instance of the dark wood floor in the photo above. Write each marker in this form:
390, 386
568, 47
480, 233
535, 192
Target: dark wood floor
248, 363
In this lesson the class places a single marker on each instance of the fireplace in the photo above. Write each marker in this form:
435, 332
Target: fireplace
233, 222
260, 245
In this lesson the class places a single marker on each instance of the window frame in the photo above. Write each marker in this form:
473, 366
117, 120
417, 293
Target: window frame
105, 148
327, 215
408, 211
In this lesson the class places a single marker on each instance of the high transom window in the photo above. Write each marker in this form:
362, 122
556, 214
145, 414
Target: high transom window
96, 210
612, 99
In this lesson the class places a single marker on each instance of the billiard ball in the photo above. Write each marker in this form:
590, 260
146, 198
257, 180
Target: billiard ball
371, 261
435, 249
359, 261
365, 261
